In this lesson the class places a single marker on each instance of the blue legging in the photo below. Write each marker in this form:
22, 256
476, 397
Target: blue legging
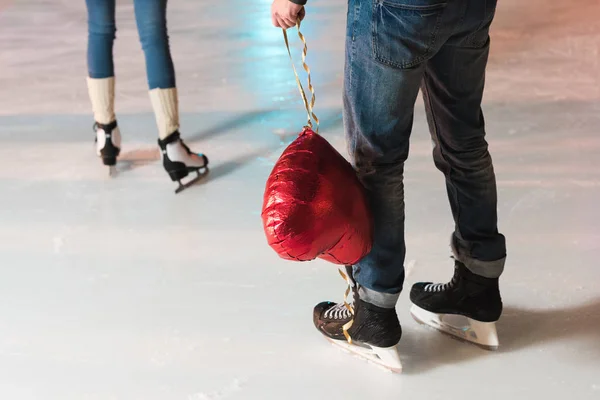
151, 19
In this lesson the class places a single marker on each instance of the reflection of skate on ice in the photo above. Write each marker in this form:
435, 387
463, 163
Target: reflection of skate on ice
363, 329
467, 307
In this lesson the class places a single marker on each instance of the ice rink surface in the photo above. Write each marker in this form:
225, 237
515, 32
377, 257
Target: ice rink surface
117, 289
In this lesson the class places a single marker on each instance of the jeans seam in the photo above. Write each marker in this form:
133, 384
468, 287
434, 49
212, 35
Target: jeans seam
442, 155
352, 51
470, 41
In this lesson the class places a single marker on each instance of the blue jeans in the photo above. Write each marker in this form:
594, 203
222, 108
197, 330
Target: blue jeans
151, 19
393, 48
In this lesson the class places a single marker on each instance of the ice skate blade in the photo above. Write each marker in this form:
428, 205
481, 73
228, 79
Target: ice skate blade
193, 181
387, 358
482, 334
112, 171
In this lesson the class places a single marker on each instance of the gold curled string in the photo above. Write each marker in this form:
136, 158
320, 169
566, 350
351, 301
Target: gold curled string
307, 105
348, 324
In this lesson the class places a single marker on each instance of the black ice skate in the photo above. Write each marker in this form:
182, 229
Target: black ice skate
364, 329
467, 307
108, 144
179, 161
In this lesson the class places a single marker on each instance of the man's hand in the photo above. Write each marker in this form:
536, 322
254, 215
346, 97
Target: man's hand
284, 13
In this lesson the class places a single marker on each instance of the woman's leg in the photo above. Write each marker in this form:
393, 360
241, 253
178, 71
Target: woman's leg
178, 160
101, 78
151, 19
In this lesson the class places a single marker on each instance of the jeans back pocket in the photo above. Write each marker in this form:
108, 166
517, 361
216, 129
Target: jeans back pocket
404, 31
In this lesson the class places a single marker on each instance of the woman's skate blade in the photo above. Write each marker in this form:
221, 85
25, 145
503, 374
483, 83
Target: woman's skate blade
199, 176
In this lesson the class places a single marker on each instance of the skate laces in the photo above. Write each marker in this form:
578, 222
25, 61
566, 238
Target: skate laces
339, 311
440, 287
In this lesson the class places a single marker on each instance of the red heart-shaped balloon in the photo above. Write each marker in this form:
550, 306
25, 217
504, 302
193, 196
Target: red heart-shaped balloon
315, 206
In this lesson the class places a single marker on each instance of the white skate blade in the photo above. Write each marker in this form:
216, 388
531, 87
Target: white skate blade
482, 334
387, 358
112, 171
199, 176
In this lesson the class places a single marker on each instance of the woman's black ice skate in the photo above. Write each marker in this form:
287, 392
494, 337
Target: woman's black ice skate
179, 161
108, 144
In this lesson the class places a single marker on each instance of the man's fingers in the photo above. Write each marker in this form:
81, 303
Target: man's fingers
274, 21
290, 21
282, 22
